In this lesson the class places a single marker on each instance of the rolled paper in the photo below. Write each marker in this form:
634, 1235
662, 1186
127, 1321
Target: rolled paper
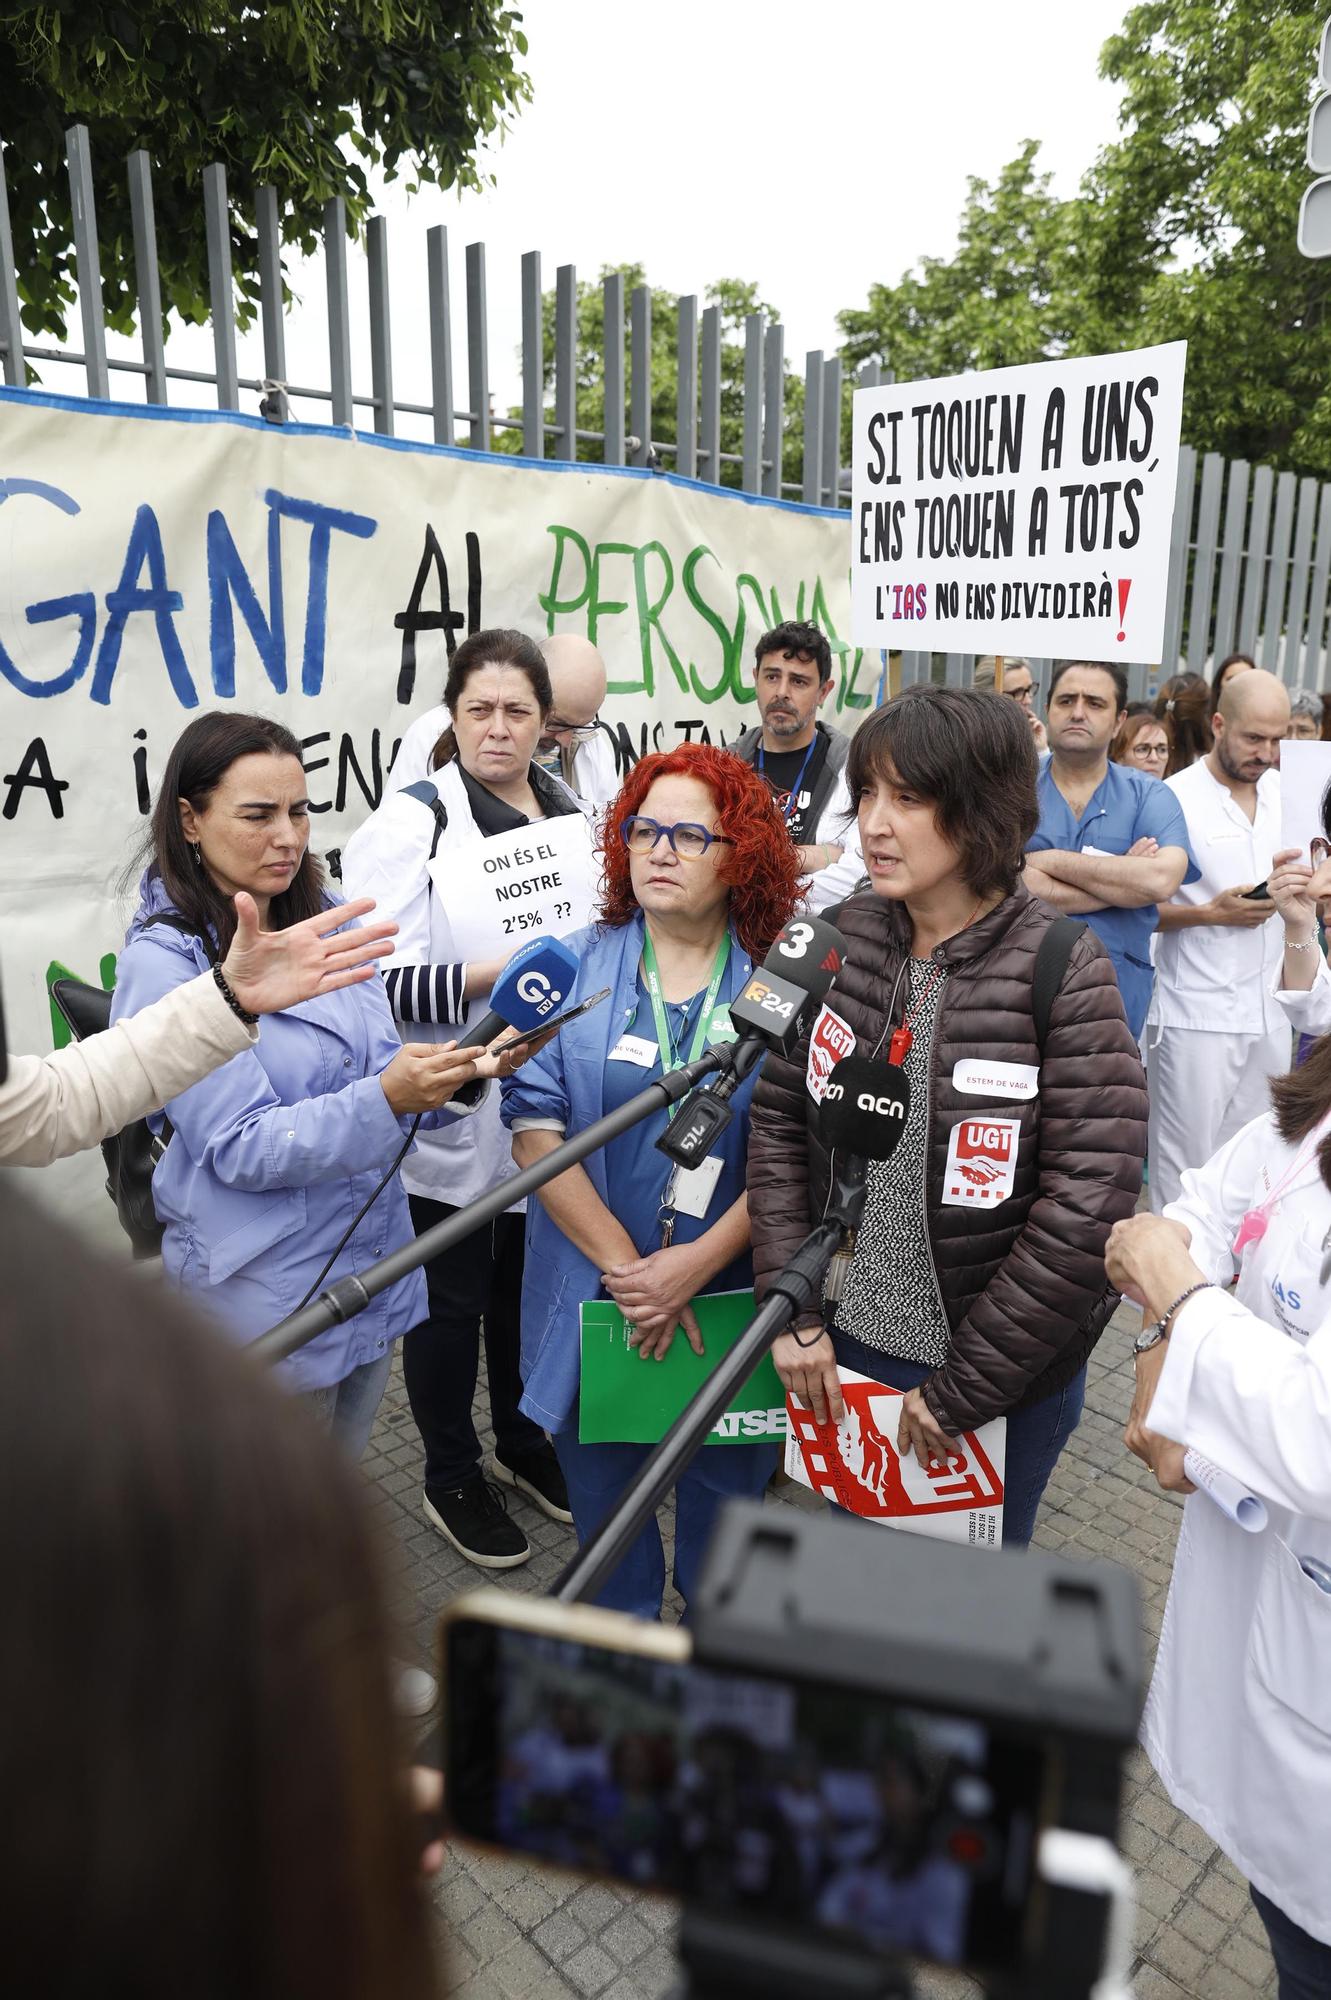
1231, 1498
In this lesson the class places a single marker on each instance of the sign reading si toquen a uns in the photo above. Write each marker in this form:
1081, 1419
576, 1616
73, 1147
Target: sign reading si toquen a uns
1021, 510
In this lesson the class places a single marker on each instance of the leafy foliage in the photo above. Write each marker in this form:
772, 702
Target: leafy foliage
1185, 228
305, 95
736, 300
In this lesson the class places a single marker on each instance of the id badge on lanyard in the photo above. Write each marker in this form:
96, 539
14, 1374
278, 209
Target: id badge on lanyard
688, 1190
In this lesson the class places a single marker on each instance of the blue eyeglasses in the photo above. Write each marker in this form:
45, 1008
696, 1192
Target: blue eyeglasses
689, 840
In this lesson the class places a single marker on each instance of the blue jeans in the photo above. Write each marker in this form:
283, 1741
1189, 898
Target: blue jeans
598, 1474
1303, 1963
347, 1409
1035, 1436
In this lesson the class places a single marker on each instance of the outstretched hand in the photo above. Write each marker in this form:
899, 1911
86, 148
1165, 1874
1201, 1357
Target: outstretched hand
269, 970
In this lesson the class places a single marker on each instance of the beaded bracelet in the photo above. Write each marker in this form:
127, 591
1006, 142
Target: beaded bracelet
250, 1020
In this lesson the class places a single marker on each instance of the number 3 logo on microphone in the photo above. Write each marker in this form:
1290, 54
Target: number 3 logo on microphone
796, 941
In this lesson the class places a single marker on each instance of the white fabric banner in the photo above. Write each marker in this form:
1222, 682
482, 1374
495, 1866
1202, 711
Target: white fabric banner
156, 563
1021, 510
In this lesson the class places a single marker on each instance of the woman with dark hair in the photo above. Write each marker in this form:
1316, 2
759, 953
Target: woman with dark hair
1184, 702
197, 1725
977, 1286
462, 861
271, 1156
700, 877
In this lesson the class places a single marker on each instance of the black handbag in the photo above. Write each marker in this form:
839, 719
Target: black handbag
132, 1154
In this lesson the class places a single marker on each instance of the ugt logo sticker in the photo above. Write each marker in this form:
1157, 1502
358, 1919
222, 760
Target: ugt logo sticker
981, 1162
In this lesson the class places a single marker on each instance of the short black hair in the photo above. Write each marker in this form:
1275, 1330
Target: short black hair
972, 757
1118, 675
798, 640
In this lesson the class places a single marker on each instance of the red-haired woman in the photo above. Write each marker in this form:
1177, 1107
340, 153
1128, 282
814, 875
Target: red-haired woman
699, 878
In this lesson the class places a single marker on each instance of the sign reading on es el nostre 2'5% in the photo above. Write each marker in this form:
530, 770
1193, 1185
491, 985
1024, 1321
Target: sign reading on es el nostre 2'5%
1022, 510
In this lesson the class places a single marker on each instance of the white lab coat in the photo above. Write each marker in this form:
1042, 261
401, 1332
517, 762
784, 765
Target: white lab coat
1238, 1719
596, 779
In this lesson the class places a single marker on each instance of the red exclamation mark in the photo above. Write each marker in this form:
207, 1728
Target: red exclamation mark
1124, 586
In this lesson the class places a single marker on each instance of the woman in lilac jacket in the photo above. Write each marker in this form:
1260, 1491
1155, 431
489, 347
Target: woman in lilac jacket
272, 1156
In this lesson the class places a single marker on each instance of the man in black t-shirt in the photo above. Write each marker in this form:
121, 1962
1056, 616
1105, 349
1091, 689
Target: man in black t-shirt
803, 761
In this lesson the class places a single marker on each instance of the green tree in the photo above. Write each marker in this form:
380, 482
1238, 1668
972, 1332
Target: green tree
736, 300
1184, 228
306, 95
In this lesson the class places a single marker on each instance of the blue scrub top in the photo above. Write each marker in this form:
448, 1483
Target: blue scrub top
1125, 807
637, 1173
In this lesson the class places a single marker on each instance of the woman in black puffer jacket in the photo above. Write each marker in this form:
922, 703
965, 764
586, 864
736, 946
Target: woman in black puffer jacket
978, 1284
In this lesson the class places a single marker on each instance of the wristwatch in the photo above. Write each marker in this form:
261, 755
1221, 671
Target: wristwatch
1151, 1336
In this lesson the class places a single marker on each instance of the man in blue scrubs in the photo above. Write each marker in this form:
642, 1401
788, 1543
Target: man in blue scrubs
1112, 843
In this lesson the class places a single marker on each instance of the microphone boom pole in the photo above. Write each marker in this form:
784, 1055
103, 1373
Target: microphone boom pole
349, 1295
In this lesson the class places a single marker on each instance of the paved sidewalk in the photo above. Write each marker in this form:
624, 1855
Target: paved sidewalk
514, 1932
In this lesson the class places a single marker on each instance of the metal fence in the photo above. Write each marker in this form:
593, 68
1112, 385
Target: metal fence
1250, 557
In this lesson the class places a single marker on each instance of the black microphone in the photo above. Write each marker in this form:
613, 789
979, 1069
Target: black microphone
862, 1117
768, 1014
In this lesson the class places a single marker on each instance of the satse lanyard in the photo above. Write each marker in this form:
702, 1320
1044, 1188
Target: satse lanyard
671, 1058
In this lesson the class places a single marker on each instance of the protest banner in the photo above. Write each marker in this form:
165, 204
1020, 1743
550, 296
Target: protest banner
1020, 510
1305, 779
159, 562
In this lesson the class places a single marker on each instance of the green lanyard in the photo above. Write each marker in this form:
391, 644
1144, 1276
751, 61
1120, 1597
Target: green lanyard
651, 973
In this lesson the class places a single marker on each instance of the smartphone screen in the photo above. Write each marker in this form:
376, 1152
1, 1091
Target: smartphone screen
560, 1021
889, 1827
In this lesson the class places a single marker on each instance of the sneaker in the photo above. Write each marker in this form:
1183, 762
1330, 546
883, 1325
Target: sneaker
414, 1691
537, 1474
474, 1518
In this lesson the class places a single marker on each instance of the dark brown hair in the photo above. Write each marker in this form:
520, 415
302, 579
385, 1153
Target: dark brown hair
971, 756
197, 1742
202, 755
501, 646
1185, 701
1131, 727
1302, 1097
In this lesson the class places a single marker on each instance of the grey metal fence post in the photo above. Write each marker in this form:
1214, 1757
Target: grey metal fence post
1313, 652
1254, 568
751, 476
1231, 561
478, 348
831, 472
686, 397
813, 426
1180, 537
871, 375
1203, 562
1299, 579
612, 318
272, 314
221, 305
87, 264
709, 420
441, 333
533, 357
339, 313
381, 324
774, 407
147, 281
1277, 574
640, 372
566, 361
11, 326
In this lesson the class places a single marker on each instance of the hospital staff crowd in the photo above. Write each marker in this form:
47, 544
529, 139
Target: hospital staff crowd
303, 1076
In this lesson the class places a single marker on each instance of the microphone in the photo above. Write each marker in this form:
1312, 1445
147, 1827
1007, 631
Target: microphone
527, 991
862, 1117
768, 1014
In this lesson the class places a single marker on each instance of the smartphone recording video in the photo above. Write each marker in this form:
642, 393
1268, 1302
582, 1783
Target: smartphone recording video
887, 1827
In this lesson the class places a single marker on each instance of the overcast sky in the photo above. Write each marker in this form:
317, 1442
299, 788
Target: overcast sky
812, 149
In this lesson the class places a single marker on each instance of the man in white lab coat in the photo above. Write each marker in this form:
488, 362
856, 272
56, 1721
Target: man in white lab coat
1214, 1034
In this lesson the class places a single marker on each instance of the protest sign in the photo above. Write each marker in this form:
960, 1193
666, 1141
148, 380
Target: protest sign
856, 1464
626, 1400
530, 883
158, 563
1022, 510
1305, 775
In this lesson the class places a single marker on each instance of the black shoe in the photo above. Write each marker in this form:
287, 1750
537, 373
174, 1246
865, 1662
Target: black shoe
537, 1474
474, 1518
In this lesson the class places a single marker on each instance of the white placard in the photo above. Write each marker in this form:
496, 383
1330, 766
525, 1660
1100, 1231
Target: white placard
1020, 510
537, 881
1305, 773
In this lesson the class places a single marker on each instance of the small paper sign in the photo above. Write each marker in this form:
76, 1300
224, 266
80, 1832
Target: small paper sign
537, 881
626, 1400
856, 1464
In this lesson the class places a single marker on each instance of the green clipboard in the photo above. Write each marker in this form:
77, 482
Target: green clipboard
626, 1400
